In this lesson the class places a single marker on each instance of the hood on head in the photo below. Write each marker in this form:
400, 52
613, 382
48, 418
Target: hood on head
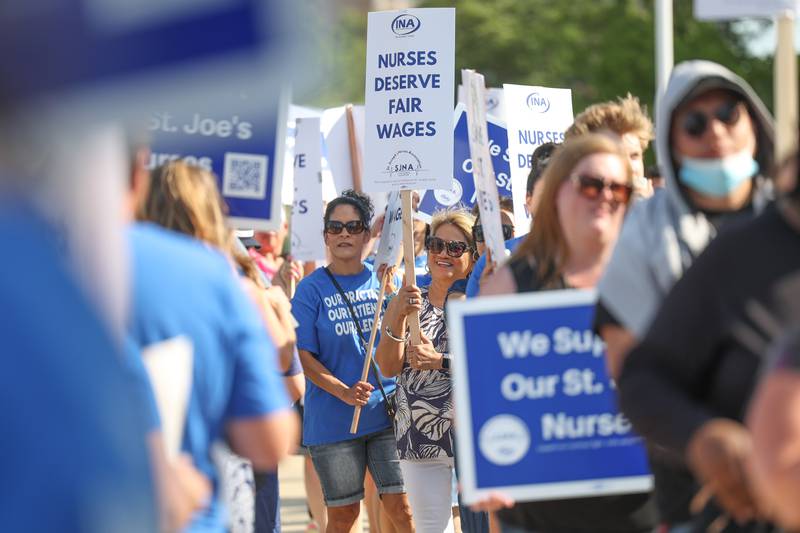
690, 79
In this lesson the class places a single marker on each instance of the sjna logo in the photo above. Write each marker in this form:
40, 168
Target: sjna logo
538, 102
405, 24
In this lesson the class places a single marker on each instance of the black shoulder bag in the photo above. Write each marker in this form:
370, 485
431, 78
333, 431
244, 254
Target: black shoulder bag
388, 399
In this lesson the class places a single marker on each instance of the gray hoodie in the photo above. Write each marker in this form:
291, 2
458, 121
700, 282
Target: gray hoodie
663, 235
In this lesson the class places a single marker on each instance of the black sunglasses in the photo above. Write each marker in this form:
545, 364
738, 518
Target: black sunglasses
477, 232
354, 227
695, 123
591, 188
454, 248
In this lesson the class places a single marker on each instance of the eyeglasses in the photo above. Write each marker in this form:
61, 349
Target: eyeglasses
591, 188
454, 248
477, 232
696, 122
354, 227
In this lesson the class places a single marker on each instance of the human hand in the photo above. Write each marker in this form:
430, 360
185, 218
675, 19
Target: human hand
358, 394
494, 502
720, 455
187, 491
290, 271
377, 225
407, 300
423, 356
382, 270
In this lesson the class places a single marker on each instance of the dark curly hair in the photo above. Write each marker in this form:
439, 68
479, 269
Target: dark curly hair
360, 202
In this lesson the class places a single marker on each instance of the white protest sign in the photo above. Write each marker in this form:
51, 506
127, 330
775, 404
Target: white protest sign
391, 242
495, 105
409, 100
487, 198
334, 129
169, 366
536, 115
732, 9
307, 242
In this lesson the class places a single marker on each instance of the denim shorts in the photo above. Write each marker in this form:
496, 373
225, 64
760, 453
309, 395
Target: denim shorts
341, 467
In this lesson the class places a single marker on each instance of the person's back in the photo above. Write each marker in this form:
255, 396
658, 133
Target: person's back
72, 455
182, 287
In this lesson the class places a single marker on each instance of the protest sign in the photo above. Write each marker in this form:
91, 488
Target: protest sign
536, 412
307, 243
169, 367
409, 97
732, 9
244, 151
462, 188
495, 106
391, 242
485, 186
536, 115
335, 132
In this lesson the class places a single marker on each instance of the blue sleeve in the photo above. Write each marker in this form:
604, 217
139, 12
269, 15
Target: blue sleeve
473, 283
258, 387
134, 367
294, 367
305, 307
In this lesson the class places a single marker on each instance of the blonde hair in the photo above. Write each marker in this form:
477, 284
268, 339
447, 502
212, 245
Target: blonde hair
545, 243
185, 198
625, 115
458, 217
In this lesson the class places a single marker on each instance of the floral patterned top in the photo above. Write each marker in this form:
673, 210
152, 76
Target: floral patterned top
424, 420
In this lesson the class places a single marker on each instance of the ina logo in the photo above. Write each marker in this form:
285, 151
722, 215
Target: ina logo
405, 24
538, 102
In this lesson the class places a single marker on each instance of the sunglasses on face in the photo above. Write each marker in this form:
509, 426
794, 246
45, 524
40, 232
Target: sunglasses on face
592, 188
354, 227
696, 122
454, 248
477, 232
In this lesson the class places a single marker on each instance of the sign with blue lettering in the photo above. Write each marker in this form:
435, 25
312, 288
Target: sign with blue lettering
462, 189
307, 243
244, 151
536, 412
535, 115
408, 100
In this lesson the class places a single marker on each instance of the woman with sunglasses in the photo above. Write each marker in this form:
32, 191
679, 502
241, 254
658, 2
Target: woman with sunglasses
423, 424
714, 138
587, 187
506, 219
334, 307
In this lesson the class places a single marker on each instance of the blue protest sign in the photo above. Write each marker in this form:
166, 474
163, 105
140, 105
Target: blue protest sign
463, 189
244, 151
536, 412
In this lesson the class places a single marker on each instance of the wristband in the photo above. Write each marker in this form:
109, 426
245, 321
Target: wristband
393, 336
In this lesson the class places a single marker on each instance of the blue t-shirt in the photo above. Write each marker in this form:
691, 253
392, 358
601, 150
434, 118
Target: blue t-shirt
328, 332
182, 287
473, 283
73, 454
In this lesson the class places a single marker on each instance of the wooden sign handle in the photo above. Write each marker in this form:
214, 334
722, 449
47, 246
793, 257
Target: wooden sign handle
370, 346
355, 152
408, 259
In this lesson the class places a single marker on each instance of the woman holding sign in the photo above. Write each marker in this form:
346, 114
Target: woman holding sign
423, 424
586, 190
334, 307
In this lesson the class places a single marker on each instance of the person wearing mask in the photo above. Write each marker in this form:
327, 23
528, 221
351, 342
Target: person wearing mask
539, 160
714, 139
184, 287
587, 188
424, 420
625, 119
697, 366
334, 307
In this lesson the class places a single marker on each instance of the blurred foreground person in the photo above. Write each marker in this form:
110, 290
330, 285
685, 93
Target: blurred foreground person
586, 191
714, 139
182, 287
687, 385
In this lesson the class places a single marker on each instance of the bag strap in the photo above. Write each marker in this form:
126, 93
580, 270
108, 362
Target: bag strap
364, 343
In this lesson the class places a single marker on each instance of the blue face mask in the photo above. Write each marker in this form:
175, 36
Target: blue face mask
717, 177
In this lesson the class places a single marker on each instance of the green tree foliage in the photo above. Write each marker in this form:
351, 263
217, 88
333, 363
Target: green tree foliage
600, 49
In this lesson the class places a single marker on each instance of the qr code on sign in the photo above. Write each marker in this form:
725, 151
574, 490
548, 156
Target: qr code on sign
245, 175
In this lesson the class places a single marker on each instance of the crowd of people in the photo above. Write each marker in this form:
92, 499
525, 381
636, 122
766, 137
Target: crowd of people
698, 283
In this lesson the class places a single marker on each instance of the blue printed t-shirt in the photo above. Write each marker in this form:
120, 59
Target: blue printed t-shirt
73, 454
182, 287
327, 331
473, 284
